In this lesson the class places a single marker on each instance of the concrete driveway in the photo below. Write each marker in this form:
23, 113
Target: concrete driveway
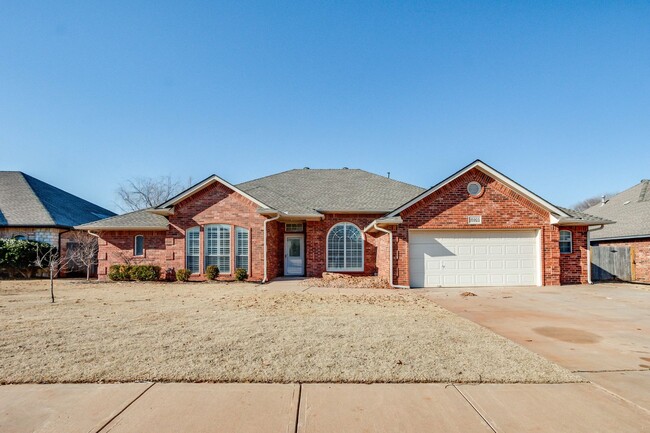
600, 331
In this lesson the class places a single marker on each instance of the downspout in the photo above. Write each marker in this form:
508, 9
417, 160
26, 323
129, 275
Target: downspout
265, 246
390, 254
589, 252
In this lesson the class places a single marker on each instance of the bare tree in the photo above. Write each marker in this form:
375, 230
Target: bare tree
591, 201
145, 192
82, 250
50, 259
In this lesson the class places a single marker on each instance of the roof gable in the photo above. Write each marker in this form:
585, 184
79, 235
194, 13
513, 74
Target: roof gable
201, 186
491, 172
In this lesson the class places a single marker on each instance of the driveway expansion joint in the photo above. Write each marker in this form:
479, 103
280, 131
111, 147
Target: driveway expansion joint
474, 407
612, 393
100, 429
297, 420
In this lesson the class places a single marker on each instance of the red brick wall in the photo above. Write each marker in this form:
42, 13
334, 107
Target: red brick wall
573, 267
383, 255
116, 247
500, 208
316, 243
641, 264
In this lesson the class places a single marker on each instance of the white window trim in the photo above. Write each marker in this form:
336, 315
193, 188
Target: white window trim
570, 241
248, 254
135, 245
327, 250
187, 232
231, 258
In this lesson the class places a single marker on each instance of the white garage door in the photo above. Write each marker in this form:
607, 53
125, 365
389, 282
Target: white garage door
473, 258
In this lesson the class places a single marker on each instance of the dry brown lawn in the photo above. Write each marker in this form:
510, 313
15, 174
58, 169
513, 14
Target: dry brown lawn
115, 332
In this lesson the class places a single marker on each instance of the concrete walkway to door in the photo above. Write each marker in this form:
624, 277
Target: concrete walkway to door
601, 331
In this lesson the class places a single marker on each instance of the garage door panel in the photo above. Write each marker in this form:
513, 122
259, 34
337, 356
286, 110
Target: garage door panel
472, 258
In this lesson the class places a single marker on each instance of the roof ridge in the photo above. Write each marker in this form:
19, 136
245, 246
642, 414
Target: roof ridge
644, 190
38, 198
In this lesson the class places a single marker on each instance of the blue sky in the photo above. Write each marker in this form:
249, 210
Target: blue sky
555, 95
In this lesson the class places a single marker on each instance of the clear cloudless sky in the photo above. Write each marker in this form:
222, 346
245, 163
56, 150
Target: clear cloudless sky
554, 94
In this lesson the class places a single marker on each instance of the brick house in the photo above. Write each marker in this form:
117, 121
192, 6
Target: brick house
631, 211
34, 210
475, 228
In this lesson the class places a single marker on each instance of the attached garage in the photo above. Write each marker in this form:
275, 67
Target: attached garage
474, 258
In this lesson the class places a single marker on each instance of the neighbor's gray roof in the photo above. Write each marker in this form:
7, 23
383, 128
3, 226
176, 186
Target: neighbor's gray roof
137, 220
582, 218
631, 211
311, 191
26, 201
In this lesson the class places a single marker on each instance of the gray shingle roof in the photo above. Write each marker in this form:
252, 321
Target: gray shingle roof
581, 217
631, 211
140, 219
308, 191
27, 201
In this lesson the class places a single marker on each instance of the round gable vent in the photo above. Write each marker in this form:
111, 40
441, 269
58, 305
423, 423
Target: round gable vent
474, 189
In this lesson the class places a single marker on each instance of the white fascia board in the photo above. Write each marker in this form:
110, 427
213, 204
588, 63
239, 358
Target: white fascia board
383, 221
480, 165
163, 212
204, 183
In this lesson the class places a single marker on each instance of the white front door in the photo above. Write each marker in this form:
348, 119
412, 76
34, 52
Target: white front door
294, 255
473, 258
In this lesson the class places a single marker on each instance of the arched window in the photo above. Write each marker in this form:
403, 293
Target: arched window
138, 246
566, 242
192, 247
217, 247
345, 248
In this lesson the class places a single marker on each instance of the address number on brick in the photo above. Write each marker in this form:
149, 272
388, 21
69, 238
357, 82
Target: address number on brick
474, 219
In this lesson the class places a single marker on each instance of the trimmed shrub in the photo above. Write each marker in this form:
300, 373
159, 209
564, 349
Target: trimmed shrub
134, 273
241, 274
183, 274
145, 273
212, 272
119, 272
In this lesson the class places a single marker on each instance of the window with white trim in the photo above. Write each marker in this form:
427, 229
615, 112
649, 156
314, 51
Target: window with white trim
192, 249
241, 248
566, 242
138, 245
345, 248
217, 247
293, 227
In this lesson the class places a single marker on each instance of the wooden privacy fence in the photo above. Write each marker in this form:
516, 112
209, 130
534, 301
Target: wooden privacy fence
612, 263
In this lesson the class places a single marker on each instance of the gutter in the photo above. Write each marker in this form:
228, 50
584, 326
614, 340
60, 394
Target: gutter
390, 254
265, 245
589, 252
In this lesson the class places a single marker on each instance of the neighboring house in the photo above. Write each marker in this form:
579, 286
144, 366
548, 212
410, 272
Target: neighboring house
631, 211
32, 209
475, 228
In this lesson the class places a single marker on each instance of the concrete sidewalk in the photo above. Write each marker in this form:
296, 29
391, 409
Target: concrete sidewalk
311, 408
